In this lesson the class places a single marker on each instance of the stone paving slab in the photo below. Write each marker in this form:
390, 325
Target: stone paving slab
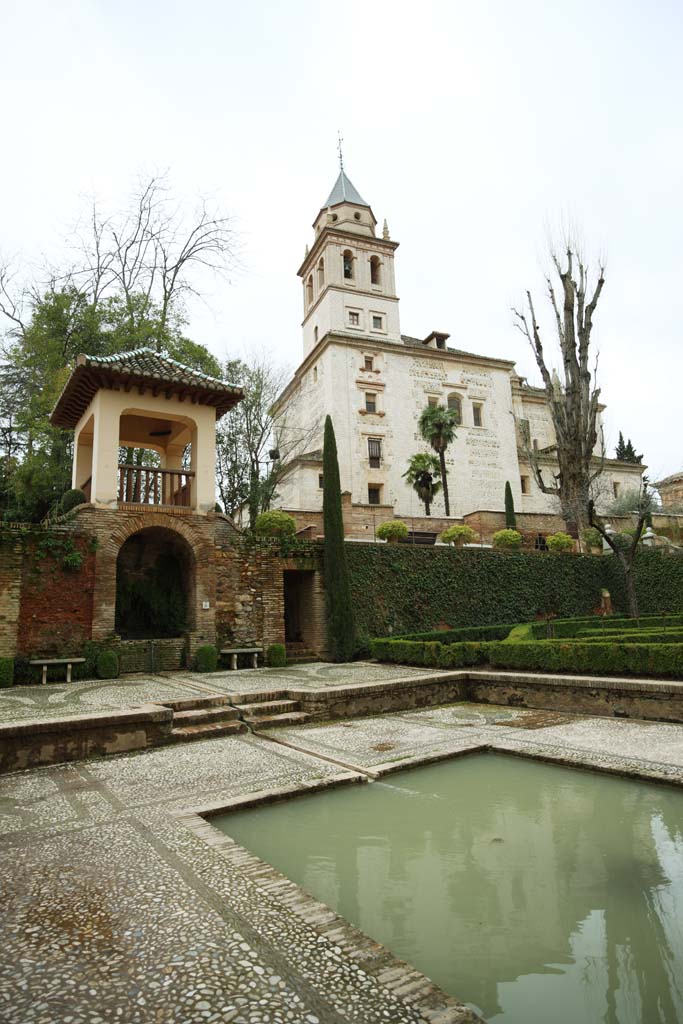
113, 908
67, 700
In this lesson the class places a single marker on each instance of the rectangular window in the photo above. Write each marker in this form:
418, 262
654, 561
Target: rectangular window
370, 402
375, 452
524, 481
374, 494
368, 363
432, 401
615, 489
525, 430
354, 318
320, 480
377, 322
476, 414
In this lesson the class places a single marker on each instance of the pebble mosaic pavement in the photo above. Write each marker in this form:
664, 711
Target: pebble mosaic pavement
62, 700
112, 909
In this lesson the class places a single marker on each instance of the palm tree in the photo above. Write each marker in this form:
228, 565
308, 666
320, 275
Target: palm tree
437, 426
423, 474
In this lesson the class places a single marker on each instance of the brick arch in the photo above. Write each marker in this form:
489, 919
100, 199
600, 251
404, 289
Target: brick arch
114, 529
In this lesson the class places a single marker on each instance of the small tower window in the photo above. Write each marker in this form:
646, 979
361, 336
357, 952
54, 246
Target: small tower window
524, 481
375, 452
321, 273
370, 401
309, 289
347, 256
455, 405
375, 270
477, 414
368, 363
315, 334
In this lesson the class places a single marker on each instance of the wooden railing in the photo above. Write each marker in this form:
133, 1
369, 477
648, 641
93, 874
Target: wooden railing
144, 485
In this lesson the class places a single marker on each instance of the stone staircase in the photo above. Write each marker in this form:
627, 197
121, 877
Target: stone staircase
299, 654
202, 718
269, 710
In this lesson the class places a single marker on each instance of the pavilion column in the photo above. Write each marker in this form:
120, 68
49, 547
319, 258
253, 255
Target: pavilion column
204, 463
105, 452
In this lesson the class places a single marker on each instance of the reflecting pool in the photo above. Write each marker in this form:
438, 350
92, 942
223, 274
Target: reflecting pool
531, 892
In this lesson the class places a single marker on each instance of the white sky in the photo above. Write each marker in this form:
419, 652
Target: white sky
476, 129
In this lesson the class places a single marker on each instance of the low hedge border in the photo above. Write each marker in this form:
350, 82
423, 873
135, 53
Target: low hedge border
465, 633
639, 659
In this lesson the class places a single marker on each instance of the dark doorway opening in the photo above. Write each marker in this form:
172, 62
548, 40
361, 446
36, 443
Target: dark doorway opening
155, 582
299, 606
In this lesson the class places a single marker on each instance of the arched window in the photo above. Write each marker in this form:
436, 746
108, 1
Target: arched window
315, 338
347, 257
321, 272
455, 405
309, 289
375, 270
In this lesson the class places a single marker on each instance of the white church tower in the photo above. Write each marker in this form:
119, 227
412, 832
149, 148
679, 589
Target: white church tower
348, 275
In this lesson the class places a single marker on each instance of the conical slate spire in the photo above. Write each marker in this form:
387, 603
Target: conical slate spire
344, 191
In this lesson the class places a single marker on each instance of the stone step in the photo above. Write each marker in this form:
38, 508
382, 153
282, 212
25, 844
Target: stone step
207, 731
257, 697
197, 716
273, 721
302, 659
270, 707
194, 703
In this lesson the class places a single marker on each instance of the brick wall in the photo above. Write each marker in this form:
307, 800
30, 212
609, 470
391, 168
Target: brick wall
55, 614
10, 595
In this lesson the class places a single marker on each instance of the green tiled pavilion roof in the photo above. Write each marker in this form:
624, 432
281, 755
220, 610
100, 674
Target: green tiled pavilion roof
142, 368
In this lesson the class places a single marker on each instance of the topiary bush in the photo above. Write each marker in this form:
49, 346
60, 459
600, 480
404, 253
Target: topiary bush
341, 625
6, 672
507, 540
591, 537
206, 658
393, 530
560, 542
458, 535
275, 524
107, 665
276, 656
70, 499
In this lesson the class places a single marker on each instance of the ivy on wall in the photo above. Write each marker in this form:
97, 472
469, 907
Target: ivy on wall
401, 589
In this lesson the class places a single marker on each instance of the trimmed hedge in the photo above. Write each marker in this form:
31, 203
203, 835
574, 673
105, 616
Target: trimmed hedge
276, 656
467, 633
6, 672
206, 658
543, 656
403, 588
107, 665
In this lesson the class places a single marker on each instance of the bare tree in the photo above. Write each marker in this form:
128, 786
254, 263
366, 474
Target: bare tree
626, 552
574, 401
151, 254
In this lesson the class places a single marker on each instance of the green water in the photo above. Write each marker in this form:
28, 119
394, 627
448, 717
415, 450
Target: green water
534, 893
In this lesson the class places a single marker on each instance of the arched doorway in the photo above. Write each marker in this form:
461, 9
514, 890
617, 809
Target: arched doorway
155, 585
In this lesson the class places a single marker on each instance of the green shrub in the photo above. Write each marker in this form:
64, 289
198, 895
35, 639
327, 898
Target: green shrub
206, 658
591, 537
465, 634
70, 499
276, 656
458, 535
392, 530
507, 540
6, 672
107, 666
275, 524
72, 561
560, 542
510, 517
655, 660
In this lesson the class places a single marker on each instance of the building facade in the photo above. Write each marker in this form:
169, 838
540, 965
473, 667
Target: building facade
375, 381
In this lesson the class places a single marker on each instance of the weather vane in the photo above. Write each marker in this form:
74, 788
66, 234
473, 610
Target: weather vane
339, 149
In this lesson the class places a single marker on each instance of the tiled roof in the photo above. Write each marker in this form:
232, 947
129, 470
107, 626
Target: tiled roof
675, 478
142, 367
419, 343
344, 192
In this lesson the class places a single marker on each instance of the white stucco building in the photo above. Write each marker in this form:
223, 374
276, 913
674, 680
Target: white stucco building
375, 381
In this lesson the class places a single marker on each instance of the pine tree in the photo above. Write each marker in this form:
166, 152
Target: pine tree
625, 451
341, 631
510, 518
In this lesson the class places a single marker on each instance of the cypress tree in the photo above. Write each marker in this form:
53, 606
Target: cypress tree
341, 631
510, 518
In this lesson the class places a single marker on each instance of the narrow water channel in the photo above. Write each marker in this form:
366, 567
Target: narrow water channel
532, 892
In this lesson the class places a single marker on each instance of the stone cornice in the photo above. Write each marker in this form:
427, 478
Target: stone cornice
347, 291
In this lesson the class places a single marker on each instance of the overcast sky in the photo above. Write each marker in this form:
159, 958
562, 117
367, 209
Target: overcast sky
476, 129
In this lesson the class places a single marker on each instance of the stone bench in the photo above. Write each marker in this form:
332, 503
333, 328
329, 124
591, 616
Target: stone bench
57, 661
234, 651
